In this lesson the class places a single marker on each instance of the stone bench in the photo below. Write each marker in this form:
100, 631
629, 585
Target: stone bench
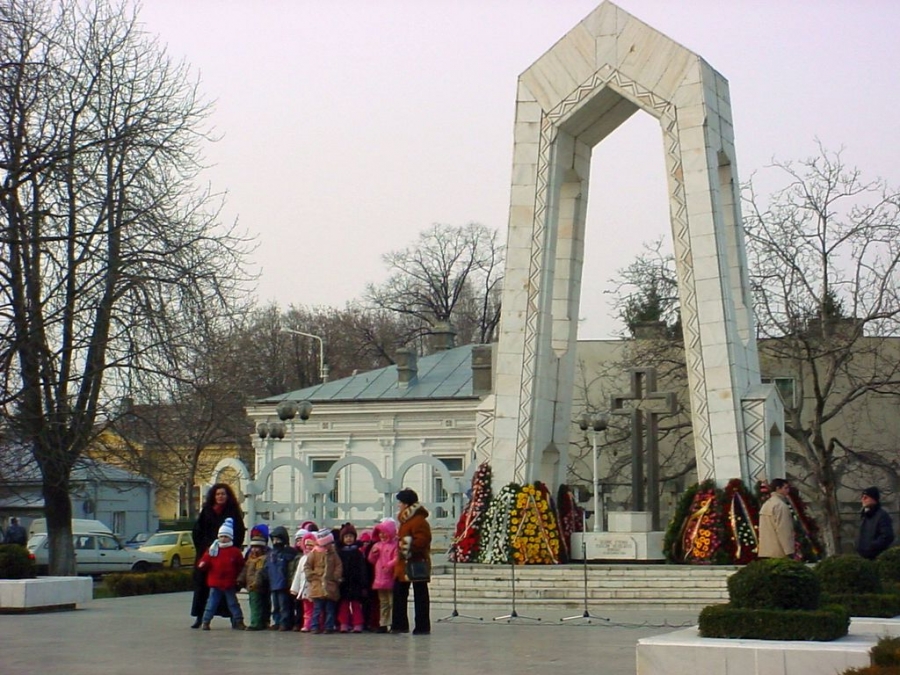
44, 594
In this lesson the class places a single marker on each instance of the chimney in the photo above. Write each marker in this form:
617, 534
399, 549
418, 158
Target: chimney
406, 367
482, 374
442, 337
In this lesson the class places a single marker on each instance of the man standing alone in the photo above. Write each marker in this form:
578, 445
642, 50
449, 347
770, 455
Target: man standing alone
776, 523
15, 533
876, 531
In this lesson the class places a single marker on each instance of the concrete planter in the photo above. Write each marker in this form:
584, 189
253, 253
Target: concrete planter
44, 594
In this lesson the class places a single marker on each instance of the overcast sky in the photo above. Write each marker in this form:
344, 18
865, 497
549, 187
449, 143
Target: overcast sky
348, 126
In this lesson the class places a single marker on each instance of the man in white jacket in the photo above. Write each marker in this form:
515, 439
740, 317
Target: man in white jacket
776, 523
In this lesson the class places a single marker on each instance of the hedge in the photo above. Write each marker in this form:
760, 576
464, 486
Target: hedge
132, 583
845, 574
820, 625
882, 605
15, 562
774, 583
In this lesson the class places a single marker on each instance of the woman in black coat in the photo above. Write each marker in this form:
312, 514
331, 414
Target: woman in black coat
220, 504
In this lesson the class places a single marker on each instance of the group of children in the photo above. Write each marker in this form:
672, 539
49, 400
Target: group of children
327, 581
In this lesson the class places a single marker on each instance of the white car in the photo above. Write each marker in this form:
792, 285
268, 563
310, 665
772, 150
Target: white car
96, 553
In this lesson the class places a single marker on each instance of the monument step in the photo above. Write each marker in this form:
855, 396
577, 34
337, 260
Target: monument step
680, 587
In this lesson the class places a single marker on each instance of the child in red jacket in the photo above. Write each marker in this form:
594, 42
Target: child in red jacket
223, 563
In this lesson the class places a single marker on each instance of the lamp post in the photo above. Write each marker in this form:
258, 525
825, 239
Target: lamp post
272, 431
595, 424
323, 367
287, 411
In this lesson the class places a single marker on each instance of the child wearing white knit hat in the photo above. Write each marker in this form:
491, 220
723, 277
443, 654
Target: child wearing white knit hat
223, 563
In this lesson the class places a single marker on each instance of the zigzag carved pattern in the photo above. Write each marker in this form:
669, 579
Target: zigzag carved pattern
607, 76
484, 420
532, 310
755, 437
689, 318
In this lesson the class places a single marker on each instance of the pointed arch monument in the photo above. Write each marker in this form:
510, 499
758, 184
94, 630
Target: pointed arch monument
608, 67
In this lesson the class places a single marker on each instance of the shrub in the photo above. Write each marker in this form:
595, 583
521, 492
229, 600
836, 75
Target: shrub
727, 621
883, 605
889, 564
886, 652
775, 583
15, 562
885, 659
846, 574
130, 583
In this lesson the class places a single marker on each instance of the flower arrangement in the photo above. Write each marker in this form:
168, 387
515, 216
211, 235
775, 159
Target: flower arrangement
741, 512
465, 544
806, 531
494, 545
703, 533
571, 519
533, 532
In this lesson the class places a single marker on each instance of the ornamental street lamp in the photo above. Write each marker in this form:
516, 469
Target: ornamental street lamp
287, 411
595, 424
323, 367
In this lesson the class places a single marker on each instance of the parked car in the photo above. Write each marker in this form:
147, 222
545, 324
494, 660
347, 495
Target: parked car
176, 548
96, 553
138, 540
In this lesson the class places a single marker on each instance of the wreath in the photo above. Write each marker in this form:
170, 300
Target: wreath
465, 544
533, 532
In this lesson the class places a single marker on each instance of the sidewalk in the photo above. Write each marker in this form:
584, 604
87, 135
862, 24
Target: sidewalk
120, 636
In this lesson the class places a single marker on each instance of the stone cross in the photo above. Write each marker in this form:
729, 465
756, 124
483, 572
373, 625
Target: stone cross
644, 398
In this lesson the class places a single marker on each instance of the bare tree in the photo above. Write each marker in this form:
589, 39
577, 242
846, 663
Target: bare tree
113, 264
823, 259
824, 254
452, 275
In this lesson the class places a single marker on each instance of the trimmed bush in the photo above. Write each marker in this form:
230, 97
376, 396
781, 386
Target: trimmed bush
15, 562
820, 625
130, 583
847, 574
775, 583
882, 605
886, 652
889, 564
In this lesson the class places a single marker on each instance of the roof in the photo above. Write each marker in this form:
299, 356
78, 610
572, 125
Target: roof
442, 375
85, 469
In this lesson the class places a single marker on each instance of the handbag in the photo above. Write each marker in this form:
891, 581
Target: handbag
418, 570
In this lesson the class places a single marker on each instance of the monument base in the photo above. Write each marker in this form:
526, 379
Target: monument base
629, 538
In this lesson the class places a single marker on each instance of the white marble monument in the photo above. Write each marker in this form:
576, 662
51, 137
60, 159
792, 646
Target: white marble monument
608, 67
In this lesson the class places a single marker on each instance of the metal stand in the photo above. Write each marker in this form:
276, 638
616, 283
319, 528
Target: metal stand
587, 617
454, 614
513, 615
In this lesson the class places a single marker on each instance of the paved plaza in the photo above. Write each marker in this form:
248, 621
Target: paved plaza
151, 634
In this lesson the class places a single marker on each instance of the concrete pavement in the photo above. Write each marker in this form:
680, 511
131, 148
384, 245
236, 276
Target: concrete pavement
120, 636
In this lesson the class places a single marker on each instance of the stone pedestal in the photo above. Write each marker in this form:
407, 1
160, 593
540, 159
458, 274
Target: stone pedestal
630, 537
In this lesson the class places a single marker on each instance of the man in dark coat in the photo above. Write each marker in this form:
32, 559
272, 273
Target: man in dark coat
15, 533
876, 531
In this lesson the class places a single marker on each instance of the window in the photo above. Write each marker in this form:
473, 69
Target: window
107, 544
786, 389
118, 522
455, 467
320, 469
84, 543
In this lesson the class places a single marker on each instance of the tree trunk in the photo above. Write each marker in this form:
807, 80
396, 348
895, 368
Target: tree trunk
58, 510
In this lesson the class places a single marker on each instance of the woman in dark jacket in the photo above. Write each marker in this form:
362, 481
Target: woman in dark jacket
220, 504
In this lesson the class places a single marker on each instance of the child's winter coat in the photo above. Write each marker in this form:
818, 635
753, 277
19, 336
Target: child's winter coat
383, 555
323, 571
